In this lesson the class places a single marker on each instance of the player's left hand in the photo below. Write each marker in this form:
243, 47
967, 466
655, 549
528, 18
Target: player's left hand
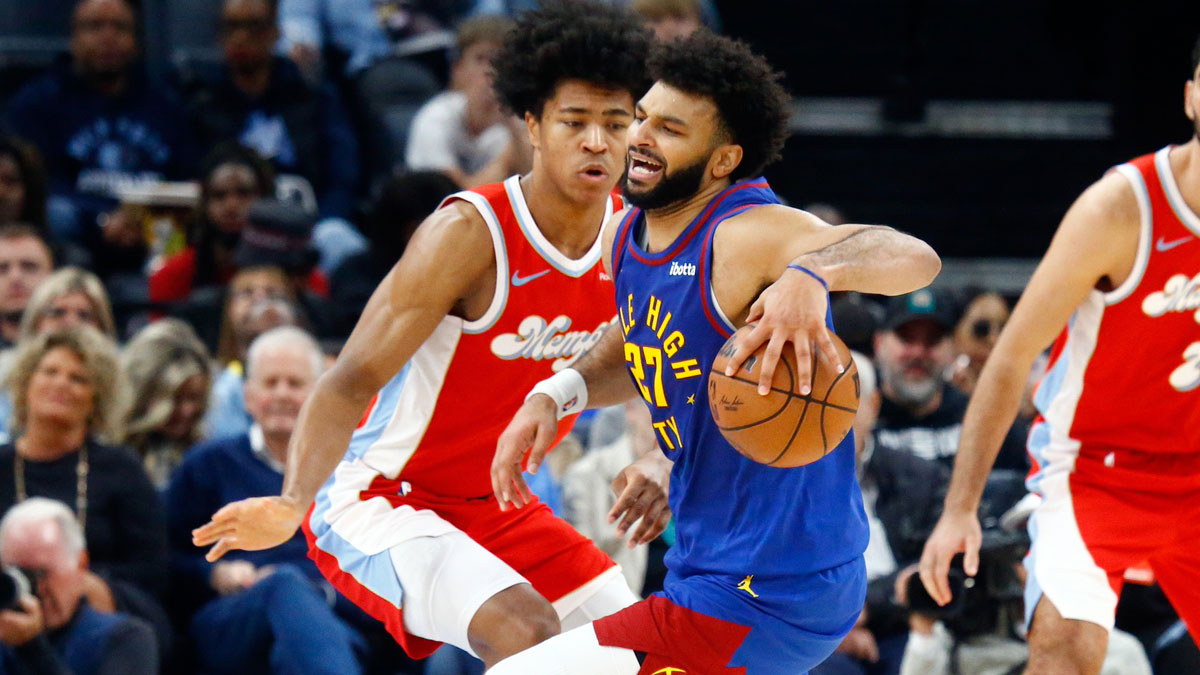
641, 489
791, 309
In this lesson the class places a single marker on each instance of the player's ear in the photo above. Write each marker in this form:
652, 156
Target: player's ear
533, 124
725, 159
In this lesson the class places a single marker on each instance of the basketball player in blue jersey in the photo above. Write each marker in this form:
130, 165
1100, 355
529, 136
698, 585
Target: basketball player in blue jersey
767, 575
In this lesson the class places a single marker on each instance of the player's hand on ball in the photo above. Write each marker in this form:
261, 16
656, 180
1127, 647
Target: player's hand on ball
641, 490
956, 532
250, 525
791, 309
532, 429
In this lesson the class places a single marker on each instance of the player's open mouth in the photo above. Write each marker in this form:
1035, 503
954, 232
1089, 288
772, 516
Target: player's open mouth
643, 168
594, 173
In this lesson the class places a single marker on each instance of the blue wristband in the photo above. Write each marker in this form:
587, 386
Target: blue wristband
810, 273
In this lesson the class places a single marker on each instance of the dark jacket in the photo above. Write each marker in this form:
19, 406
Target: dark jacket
317, 140
92, 143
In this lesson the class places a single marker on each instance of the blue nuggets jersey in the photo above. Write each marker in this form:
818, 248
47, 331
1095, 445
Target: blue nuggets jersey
734, 517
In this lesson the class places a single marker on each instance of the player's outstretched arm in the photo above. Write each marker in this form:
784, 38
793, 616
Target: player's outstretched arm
798, 258
1097, 240
448, 259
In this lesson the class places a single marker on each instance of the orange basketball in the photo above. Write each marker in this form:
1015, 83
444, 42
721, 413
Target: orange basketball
783, 428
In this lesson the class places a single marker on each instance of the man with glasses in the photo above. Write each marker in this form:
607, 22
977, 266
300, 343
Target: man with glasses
101, 125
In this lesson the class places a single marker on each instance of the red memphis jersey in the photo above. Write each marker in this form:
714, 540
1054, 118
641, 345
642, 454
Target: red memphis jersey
433, 427
1124, 373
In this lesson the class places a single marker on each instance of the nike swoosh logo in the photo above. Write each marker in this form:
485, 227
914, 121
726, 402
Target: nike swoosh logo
518, 280
1161, 245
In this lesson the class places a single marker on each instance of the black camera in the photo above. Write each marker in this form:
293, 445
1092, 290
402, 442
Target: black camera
15, 584
976, 603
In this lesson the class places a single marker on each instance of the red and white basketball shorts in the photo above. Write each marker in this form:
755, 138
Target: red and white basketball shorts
1113, 511
444, 579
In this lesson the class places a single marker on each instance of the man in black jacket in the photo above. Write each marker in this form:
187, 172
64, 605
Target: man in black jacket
262, 101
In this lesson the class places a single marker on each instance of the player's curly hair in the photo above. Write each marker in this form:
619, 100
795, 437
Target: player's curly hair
752, 104
565, 40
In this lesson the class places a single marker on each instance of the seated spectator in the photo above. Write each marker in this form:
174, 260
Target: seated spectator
169, 375
259, 299
233, 177
279, 235
260, 611
670, 19
465, 132
921, 413
67, 298
25, 260
22, 184
362, 31
56, 630
403, 202
261, 101
984, 314
101, 124
68, 398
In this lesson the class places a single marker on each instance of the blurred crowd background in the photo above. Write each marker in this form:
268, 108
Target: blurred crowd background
197, 197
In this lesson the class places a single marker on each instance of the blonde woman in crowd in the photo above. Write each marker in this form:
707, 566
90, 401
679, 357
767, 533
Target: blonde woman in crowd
170, 377
69, 399
67, 298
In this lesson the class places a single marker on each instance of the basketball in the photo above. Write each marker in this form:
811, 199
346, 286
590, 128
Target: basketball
783, 428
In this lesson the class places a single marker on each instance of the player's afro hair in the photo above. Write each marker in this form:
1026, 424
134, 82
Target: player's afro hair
752, 104
567, 40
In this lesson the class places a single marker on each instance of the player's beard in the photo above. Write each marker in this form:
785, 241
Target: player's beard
672, 188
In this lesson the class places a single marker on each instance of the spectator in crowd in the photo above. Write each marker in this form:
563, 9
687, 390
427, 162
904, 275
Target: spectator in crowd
233, 177
271, 610
69, 398
259, 299
22, 184
902, 497
464, 132
670, 19
261, 101
67, 298
101, 124
169, 375
361, 32
404, 201
25, 260
984, 314
921, 412
55, 629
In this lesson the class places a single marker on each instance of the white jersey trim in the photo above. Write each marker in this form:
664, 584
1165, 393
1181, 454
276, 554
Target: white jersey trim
1162, 161
1145, 236
571, 267
500, 295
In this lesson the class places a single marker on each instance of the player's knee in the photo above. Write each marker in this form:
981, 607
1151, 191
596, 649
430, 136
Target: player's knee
511, 621
1063, 646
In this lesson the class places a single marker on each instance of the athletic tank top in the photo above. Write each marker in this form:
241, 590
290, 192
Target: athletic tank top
733, 516
1123, 373
434, 426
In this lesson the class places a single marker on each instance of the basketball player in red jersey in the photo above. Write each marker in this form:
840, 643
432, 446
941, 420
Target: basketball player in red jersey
499, 288
1116, 448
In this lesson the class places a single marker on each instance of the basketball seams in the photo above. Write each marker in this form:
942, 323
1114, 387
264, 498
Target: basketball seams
799, 423
828, 393
792, 394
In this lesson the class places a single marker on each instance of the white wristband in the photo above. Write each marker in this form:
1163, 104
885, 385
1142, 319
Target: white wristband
566, 388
